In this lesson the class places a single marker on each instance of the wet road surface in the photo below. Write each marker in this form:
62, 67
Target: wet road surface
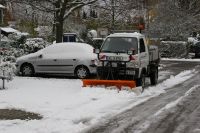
160, 114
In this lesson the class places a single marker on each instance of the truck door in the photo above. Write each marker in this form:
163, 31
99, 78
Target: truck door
144, 56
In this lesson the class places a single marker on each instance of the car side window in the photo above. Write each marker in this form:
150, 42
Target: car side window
142, 46
56, 50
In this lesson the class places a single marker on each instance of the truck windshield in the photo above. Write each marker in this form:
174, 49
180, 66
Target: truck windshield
120, 44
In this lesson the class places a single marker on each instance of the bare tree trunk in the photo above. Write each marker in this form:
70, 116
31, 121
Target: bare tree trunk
61, 8
59, 31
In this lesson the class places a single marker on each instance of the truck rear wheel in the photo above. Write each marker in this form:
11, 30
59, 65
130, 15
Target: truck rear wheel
154, 77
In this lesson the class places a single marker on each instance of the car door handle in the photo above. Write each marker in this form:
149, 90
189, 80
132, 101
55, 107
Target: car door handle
74, 59
54, 59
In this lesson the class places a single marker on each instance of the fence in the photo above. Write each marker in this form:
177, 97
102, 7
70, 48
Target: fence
4, 77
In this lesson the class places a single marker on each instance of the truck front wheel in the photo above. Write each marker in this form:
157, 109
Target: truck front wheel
141, 81
154, 77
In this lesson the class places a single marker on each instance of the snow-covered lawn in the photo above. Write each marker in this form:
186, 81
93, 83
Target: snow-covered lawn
67, 107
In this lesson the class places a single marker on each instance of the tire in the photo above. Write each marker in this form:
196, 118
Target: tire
141, 81
154, 77
27, 70
82, 72
197, 55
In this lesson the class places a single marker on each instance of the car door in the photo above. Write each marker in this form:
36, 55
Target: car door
144, 57
46, 62
56, 59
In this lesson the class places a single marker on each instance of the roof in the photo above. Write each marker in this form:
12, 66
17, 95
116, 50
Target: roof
8, 30
69, 34
1, 6
135, 34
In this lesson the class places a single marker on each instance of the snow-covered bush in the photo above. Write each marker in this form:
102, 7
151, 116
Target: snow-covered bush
193, 40
44, 32
174, 49
11, 54
33, 45
16, 39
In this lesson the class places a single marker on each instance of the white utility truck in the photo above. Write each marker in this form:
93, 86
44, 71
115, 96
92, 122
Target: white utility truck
126, 56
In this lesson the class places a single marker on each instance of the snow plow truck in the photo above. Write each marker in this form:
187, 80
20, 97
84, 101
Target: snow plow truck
125, 59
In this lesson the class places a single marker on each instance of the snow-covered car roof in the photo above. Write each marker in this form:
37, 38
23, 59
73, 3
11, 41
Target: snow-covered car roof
67, 49
134, 34
78, 49
1, 6
83, 46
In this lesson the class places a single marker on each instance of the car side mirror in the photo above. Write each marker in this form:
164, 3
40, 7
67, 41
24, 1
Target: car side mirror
40, 56
96, 51
131, 52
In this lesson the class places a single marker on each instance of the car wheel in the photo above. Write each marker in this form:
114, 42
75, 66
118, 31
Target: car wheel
27, 70
82, 72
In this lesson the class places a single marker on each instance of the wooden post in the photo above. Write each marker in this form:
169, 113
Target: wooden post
3, 79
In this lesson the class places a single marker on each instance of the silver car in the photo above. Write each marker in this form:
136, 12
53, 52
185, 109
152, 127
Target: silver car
74, 59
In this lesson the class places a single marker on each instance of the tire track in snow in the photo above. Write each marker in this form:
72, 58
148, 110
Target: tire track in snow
179, 116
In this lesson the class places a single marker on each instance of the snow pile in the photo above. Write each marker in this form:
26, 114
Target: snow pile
11, 47
66, 106
175, 59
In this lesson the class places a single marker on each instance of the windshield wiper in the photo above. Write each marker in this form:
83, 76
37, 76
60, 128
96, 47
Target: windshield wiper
107, 51
119, 51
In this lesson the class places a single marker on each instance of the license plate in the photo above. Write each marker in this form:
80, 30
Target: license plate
114, 58
130, 72
114, 64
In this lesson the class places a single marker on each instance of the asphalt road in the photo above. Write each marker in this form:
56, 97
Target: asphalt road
149, 117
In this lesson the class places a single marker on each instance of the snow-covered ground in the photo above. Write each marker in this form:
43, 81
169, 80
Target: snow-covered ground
182, 59
68, 107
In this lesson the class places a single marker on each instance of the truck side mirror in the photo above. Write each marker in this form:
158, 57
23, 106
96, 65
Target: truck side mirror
96, 51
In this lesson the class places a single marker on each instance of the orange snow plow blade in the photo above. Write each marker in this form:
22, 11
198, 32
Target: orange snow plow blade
106, 83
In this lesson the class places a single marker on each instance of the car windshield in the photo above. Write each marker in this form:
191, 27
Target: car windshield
120, 44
